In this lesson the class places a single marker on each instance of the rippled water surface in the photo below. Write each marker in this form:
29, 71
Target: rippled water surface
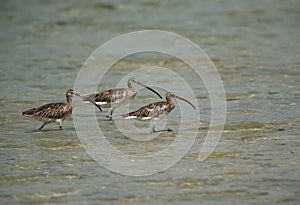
255, 47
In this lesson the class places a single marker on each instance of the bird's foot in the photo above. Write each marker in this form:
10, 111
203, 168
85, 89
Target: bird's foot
169, 130
109, 117
166, 130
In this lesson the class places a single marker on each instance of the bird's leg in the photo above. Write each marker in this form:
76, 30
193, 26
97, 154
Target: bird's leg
42, 126
109, 115
153, 127
110, 112
59, 121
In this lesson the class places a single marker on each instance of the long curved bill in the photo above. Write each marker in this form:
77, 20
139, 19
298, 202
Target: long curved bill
87, 99
180, 98
150, 89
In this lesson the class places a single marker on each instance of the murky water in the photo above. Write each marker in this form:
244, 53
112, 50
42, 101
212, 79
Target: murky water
255, 46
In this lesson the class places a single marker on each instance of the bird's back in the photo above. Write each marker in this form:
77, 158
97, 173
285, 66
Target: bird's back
112, 96
158, 109
51, 111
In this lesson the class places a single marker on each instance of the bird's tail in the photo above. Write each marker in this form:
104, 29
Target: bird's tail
88, 98
128, 116
29, 112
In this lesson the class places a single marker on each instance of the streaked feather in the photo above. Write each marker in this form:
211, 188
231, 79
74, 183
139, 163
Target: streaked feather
112, 96
50, 111
150, 111
104, 96
155, 111
53, 112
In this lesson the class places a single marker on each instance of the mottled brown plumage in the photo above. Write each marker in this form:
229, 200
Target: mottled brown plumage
116, 97
156, 111
112, 96
153, 110
53, 112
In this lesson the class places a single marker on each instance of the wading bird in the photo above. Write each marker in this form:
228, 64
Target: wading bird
156, 111
54, 112
114, 98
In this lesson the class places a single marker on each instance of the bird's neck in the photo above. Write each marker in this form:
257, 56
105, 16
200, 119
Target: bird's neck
69, 99
130, 87
170, 101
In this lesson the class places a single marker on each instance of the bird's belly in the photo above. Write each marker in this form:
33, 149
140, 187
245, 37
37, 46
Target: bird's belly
154, 116
120, 101
44, 119
115, 103
104, 104
48, 119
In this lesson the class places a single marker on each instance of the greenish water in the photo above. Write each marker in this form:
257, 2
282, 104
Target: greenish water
255, 46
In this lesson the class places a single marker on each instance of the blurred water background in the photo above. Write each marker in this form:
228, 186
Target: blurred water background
255, 47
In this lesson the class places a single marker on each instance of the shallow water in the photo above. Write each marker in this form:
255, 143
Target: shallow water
254, 45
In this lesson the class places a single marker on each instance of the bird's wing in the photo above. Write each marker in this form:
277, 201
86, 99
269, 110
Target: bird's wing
53, 110
148, 112
109, 96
